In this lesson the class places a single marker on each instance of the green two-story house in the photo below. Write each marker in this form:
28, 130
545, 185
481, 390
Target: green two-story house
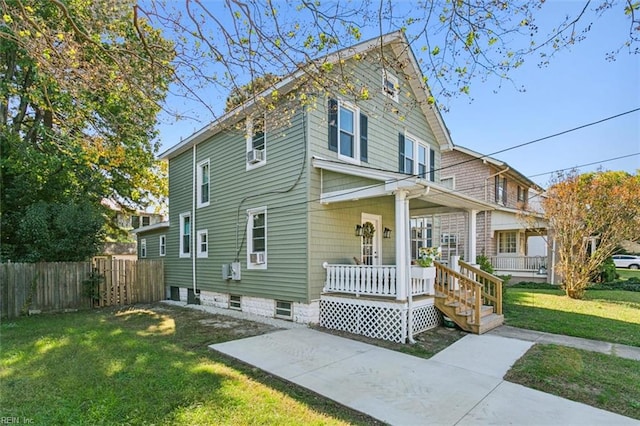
314, 212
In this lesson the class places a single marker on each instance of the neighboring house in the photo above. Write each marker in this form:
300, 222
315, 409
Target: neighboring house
514, 242
317, 218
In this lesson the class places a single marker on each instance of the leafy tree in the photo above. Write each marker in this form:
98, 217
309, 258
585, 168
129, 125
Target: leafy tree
224, 46
81, 84
590, 214
56, 232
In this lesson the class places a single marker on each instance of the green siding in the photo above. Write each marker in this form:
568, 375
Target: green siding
233, 191
301, 233
178, 270
153, 242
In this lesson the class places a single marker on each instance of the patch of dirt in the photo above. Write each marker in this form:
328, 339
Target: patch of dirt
426, 345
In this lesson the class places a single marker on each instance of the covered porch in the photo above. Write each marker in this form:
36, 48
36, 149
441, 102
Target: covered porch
396, 300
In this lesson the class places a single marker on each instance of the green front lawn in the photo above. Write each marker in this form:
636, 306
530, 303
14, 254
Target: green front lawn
599, 380
145, 366
607, 315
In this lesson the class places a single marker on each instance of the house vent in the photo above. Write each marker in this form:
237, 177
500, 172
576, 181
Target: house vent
255, 156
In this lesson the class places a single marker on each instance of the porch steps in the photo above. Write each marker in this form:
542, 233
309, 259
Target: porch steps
463, 317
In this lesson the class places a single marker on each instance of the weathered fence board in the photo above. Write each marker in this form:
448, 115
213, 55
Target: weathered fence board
50, 287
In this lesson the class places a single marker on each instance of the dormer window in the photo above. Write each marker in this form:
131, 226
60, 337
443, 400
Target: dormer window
390, 85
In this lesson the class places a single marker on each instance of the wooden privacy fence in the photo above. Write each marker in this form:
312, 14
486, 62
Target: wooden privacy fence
50, 287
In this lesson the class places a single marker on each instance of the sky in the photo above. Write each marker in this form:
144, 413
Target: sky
578, 87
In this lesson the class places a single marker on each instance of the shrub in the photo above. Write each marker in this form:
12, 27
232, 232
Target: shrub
484, 263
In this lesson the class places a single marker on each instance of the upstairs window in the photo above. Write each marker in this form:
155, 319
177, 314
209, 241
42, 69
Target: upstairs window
185, 235
501, 190
348, 131
416, 157
390, 86
523, 195
257, 238
203, 183
256, 143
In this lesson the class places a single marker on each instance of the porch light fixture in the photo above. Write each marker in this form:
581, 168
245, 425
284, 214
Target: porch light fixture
358, 230
386, 233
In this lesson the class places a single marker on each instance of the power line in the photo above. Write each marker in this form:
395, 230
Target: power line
585, 165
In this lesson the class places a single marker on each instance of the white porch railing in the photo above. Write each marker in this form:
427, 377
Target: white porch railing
361, 280
518, 263
368, 280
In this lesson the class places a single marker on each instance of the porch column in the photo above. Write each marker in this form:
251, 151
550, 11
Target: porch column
402, 244
472, 236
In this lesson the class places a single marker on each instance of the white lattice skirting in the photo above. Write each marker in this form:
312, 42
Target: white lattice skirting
375, 318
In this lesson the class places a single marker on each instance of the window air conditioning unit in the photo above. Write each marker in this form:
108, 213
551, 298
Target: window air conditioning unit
257, 258
255, 156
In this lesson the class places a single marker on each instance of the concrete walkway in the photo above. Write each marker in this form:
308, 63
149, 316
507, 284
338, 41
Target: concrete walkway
461, 385
623, 351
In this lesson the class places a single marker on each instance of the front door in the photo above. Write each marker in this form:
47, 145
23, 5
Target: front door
371, 236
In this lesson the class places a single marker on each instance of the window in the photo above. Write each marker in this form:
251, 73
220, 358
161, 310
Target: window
235, 301
348, 132
390, 86
421, 234
185, 235
203, 183
143, 248
257, 238
507, 242
448, 182
501, 190
523, 195
283, 309
135, 222
163, 245
146, 220
416, 158
203, 243
256, 143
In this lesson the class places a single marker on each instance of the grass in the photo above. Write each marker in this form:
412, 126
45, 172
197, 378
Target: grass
625, 274
145, 365
607, 315
599, 380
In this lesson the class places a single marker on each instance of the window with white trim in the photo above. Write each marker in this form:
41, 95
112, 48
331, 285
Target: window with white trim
162, 249
421, 234
203, 177
203, 243
507, 242
257, 238
348, 131
448, 182
501, 190
390, 86
185, 234
523, 195
256, 140
143, 248
416, 157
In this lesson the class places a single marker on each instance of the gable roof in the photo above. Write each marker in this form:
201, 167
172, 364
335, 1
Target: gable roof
500, 165
401, 48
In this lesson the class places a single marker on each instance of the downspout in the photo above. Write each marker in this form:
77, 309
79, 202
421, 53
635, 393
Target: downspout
193, 220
